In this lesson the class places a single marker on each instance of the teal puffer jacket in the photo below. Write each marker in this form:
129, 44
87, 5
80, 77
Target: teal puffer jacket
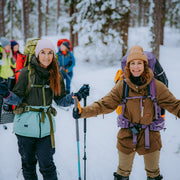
29, 123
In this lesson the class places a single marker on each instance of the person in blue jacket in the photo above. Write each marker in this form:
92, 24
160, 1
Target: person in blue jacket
66, 63
34, 122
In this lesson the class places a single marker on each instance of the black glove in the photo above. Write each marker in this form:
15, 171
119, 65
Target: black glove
84, 91
78, 95
76, 114
4, 91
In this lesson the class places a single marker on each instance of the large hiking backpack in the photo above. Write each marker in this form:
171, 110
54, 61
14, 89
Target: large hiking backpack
24, 59
158, 123
29, 50
153, 63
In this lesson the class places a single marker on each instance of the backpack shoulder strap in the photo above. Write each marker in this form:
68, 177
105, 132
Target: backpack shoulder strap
31, 83
31, 78
153, 98
125, 91
153, 90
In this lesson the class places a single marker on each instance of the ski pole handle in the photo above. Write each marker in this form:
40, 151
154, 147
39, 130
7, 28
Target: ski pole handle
77, 124
75, 103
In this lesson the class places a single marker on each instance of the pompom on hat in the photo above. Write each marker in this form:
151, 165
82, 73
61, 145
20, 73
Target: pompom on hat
136, 53
42, 44
4, 42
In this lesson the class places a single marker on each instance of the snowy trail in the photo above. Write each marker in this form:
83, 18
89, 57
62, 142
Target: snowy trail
102, 157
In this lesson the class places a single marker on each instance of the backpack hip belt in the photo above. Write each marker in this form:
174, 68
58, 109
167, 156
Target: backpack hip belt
156, 125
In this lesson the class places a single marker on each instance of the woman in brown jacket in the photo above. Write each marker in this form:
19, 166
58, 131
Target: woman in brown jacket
139, 112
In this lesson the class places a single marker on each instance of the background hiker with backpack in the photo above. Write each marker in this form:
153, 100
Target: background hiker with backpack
141, 119
66, 63
15, 49
8, 60
34, 125
7, 67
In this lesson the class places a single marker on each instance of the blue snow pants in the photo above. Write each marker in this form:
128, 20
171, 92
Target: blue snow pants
68, 77
33, 150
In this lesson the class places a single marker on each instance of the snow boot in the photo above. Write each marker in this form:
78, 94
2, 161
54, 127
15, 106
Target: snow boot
156, 178
119, 177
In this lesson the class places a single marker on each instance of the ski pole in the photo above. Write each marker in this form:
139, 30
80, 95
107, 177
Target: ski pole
77, 138
85, 128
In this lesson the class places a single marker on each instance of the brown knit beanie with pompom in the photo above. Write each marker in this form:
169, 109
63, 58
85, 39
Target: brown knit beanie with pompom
136, 53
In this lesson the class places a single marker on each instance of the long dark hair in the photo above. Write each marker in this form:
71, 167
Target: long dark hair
54, 77
144, 76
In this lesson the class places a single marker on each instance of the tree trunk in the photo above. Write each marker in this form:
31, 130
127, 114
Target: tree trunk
47, 15
2, 23
132, 13
163, 12
124, 24
11, 17
156, 27
58, 14
73, 37
71, 26
76, 40
39, 19
140, 12
146, 7
26, 19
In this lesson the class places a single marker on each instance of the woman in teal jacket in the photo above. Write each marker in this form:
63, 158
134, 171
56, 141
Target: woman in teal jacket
34, 123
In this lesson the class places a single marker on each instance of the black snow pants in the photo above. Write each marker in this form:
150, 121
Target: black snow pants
33, 150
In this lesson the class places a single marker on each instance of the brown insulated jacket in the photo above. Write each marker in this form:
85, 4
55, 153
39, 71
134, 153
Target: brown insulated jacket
109, 103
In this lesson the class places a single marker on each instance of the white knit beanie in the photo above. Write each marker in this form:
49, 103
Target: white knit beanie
44, 43
4, 42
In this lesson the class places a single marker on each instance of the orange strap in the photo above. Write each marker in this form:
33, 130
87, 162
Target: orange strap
78, 105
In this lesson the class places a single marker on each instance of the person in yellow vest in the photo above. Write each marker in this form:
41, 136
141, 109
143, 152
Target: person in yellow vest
7, 60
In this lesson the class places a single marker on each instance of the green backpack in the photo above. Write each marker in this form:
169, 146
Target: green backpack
29, 50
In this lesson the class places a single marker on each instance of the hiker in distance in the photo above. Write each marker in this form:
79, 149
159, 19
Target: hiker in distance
137, 134
7, 62
66, 62
34, 123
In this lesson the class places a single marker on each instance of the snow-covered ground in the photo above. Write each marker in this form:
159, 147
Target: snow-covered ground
102, 157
